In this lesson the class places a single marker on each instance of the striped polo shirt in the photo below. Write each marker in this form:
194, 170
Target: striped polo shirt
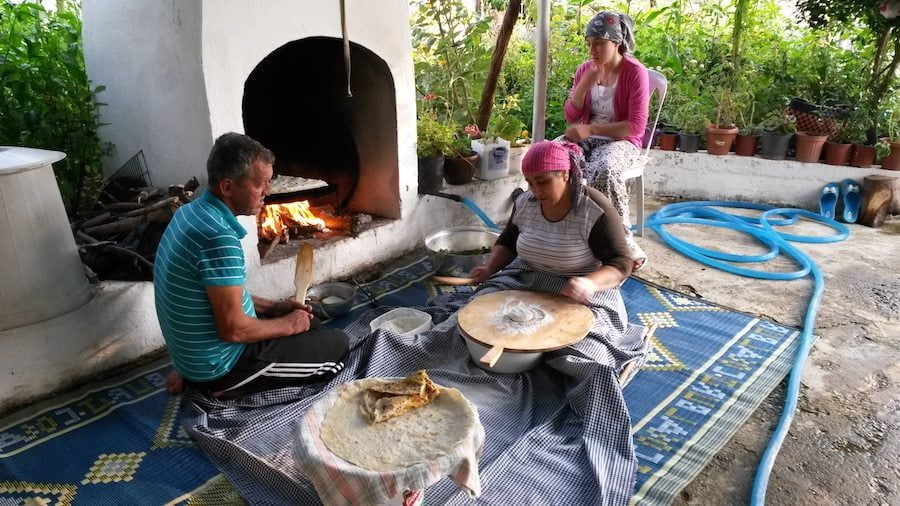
201, 247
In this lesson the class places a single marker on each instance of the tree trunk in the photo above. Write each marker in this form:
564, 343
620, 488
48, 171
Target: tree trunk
879, 193
490, 85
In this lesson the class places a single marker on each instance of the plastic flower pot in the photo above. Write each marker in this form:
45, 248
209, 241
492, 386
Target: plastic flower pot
862, 156
431, 174
719, 139
688, 143
745, 145
837, 154
460, 169
516, 153
774, 145
892, 161
668, 141
809, 146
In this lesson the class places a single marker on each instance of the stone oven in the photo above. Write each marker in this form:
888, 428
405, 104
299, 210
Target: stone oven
179, 74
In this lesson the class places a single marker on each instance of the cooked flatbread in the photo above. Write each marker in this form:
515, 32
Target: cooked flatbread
420, 435
417, 383
386, 399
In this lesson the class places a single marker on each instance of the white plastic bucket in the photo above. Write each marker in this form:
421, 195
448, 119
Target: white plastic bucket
516, 153
493, 158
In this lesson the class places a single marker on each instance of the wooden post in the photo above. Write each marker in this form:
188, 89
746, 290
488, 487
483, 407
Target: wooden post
490, 85
539, 113
878, 195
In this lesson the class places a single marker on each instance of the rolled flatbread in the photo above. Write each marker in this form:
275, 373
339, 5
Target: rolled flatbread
386, 399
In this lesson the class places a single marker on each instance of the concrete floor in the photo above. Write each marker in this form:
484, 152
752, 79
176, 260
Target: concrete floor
844, 443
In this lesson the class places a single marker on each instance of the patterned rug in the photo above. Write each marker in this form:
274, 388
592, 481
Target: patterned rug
120, 442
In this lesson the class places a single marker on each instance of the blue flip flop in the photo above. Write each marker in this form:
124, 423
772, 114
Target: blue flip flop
828, 200
850, 193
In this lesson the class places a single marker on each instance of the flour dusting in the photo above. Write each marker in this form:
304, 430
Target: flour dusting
517, 317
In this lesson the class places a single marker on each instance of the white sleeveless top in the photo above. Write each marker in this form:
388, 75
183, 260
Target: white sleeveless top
602, 106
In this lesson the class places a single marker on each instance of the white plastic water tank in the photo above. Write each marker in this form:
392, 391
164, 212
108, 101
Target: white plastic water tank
41, 275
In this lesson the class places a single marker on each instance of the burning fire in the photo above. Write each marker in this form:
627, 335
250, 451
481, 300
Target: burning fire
276, 220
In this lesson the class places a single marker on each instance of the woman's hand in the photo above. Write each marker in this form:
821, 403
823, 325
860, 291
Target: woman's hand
480, 274
578, 133
580, 289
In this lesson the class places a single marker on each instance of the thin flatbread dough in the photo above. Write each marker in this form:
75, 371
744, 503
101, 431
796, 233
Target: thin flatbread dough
418, 436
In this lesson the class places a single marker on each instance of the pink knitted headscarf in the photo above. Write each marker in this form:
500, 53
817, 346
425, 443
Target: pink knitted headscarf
552, 156
549, 156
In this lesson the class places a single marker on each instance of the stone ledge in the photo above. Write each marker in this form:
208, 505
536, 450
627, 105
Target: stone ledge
701, 176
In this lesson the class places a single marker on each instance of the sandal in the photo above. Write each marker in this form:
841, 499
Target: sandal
828, 200
850, 193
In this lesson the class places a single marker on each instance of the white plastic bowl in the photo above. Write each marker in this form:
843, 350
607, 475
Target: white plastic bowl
404, 321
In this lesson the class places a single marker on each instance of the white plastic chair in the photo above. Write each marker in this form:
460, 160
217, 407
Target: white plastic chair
658, 84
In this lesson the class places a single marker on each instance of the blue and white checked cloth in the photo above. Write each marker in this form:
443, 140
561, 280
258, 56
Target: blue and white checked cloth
559, 434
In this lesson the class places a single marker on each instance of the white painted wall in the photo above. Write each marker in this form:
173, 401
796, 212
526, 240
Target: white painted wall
700, 176
148, 55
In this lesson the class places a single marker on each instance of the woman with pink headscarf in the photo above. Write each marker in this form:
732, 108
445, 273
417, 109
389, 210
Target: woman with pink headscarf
562, 227
567, 239
607, 111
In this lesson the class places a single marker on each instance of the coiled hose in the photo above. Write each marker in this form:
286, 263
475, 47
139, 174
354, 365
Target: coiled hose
762, 228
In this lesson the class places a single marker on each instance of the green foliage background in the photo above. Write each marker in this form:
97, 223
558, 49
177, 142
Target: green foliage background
780, 57
46, 100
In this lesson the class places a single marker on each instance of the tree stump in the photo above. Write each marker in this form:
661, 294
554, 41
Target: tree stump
880, 196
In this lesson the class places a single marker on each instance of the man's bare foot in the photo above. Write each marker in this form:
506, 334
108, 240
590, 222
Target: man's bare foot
639, 264
174, 383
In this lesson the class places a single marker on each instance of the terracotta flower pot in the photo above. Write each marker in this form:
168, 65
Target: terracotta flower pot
719, 138
668, 141
809, 146
892, 161
461, 169
862, 156
745, 145
837, 154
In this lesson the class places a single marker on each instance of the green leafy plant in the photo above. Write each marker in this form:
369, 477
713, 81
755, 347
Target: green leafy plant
691, 118
46, 100
780, 123
461, 145
505, 123
433, 137
726, 107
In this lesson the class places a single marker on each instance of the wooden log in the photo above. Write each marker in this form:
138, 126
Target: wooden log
170, 202
490, 84
191, 185
147, 194
104, 217
878, 194
130, 223
118, 207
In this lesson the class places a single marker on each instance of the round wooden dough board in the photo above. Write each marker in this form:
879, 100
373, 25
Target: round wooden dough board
571, 321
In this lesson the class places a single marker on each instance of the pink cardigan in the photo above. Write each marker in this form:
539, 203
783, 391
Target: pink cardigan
630, 102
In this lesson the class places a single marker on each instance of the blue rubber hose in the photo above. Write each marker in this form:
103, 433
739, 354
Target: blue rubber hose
478, 212
762, 228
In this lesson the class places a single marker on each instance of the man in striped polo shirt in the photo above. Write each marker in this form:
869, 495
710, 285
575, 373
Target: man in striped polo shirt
221, 339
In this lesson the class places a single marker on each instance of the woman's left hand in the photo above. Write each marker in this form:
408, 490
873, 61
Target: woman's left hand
580, 289
579, 132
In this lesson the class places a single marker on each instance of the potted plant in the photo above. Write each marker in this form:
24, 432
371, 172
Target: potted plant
837, 148
747, 136
668, 138
859, 124
433, 141
777, 131
517, 151
461, 163
809, 146
691, 120
493, 147
891, 161
721, 133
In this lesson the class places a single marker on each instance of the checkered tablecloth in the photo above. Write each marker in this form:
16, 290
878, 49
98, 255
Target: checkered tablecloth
339, 482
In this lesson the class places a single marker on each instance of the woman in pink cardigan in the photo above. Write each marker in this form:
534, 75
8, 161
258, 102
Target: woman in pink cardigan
607, 111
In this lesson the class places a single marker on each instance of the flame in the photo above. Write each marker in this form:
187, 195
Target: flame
274, 219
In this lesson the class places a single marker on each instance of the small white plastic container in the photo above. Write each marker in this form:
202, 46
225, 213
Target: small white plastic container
404, 321
493, 158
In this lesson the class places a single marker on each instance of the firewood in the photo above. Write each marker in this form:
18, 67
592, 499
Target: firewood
82, 238
128, 224
171, 202
191, 185
104, 217
118, 207
109, 246
878, 194
147, 194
